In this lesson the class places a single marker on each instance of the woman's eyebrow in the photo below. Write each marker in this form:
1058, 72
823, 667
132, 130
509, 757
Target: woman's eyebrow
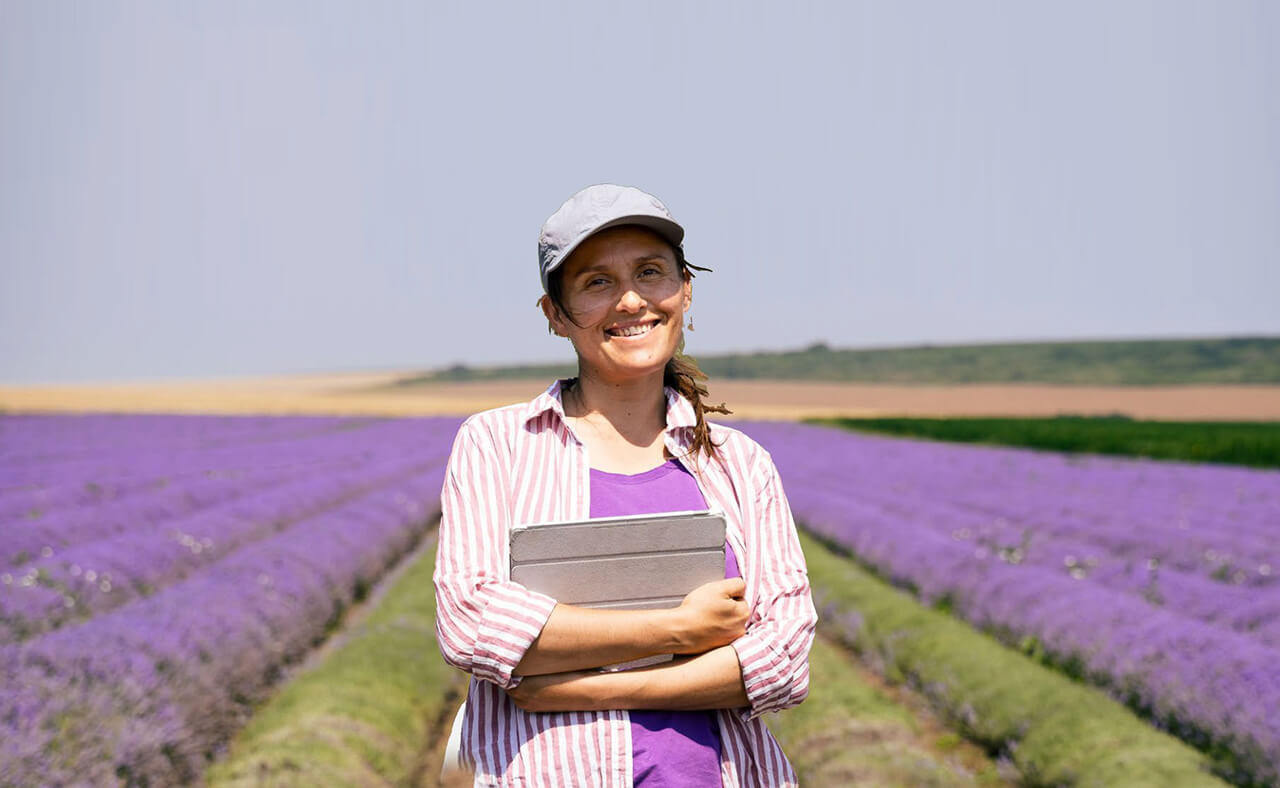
645, 258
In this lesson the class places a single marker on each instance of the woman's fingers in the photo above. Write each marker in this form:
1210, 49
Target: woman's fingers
713, 614
730, 587
734, 587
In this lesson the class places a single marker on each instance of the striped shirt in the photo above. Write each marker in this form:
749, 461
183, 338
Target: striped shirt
521, 464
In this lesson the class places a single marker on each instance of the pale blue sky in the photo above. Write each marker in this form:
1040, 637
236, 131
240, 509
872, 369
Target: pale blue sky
219, 189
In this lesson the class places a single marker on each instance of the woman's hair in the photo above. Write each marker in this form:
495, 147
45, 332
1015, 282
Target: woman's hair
681, 373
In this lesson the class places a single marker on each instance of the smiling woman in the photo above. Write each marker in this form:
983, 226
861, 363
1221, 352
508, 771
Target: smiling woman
620, 298
628, 435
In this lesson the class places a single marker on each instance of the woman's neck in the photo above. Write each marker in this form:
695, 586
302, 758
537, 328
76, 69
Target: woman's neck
636, 409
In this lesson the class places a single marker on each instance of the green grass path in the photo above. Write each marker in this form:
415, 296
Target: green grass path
853, 730
367, 713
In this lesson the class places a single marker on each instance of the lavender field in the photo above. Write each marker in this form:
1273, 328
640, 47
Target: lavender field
1156, 580
158, 573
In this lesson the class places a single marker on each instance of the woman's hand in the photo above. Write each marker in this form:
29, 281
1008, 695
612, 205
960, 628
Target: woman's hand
713, 614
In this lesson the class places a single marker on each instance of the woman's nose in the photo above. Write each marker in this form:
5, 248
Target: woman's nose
631, 301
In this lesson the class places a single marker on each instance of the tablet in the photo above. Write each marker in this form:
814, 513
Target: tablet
631, 562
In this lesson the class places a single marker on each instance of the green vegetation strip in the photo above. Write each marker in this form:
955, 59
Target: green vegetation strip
850, 732
1098, 363
1055, 731
1241, 443
365, 714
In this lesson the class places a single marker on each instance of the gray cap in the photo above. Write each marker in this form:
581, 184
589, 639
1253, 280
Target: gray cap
594, 209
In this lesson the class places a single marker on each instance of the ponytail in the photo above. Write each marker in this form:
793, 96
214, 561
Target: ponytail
683, 375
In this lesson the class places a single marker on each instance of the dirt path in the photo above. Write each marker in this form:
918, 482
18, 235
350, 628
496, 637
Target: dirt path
372, 394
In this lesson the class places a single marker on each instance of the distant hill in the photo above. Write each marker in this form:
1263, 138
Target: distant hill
1125, 362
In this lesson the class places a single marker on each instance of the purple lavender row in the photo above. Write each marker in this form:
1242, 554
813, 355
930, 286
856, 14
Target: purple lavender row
901, 476
235, 474
384, 442
131, 465
30, 437
42, 536
1069, 541
1195, 518
1243, 558
1118, 530
171, 480
151, 690
1072, 545
29, 444
100, 575
1214, 686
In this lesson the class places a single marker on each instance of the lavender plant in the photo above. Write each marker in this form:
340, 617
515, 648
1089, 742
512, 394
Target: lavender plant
1153, 579
185, 619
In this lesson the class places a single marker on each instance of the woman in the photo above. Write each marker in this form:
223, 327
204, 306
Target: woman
627, 436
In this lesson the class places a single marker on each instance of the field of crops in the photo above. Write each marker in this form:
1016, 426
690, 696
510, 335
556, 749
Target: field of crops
161, 577
159, 572
1157, 580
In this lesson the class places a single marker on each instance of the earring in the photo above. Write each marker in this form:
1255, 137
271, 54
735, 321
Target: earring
690, 326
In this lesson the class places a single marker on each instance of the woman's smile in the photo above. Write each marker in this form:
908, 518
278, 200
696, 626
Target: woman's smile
637, 329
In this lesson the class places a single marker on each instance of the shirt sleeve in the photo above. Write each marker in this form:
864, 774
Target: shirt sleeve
774, 652
484, 621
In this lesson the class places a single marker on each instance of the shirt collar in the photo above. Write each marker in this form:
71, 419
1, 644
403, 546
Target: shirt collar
679, 410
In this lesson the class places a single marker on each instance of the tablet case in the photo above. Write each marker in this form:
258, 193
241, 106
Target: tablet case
631, 562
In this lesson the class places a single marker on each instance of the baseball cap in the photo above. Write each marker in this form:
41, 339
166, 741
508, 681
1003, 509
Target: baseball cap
596, 208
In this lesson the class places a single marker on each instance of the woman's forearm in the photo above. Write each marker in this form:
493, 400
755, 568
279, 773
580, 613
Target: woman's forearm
712, 680
576, 638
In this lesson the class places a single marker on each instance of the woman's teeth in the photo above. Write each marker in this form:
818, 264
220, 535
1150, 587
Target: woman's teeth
632, 331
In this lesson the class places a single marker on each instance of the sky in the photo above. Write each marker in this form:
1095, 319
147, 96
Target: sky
224, 189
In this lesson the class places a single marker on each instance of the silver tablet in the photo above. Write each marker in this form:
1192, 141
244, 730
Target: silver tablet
632, 562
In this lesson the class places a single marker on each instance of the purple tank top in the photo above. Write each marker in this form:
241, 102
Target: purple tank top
668, 748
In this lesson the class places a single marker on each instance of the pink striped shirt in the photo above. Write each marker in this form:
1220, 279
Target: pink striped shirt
522, 464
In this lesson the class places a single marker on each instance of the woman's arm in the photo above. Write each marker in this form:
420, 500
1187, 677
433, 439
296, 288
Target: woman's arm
574, 638
712, 680
774, 652
484, 622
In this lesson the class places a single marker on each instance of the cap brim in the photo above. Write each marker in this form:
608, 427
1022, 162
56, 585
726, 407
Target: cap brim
671, 232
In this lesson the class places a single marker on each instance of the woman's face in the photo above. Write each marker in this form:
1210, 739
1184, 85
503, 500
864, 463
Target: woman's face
624, 291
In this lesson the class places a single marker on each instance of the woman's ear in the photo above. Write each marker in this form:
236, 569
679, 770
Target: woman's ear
688, 292
555, 321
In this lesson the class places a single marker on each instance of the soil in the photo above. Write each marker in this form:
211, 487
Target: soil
373, 394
